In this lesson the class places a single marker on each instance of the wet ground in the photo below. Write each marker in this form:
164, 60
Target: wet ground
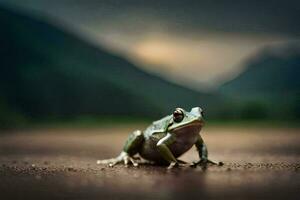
260, 163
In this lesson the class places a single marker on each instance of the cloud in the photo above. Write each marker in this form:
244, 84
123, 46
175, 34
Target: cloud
188, 41
243, 16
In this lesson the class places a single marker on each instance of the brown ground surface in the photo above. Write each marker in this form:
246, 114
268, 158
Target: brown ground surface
260, 163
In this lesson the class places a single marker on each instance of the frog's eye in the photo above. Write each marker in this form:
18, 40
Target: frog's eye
178, 115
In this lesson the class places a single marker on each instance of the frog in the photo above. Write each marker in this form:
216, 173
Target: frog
165, 140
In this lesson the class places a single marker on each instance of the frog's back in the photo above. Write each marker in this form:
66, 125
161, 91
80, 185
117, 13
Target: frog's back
157, 126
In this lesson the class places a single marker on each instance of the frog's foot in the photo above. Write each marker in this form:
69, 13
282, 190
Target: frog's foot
204, 162
177, 164
123, 157
173, 165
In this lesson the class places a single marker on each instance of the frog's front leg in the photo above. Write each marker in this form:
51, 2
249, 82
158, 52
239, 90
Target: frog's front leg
131, 147
165, 152
203, 154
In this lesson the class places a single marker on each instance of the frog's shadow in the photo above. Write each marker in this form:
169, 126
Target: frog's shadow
183, 165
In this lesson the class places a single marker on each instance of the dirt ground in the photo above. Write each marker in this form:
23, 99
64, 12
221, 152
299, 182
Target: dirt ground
260, 163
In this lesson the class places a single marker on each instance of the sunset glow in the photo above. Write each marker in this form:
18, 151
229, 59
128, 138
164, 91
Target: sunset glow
199, 59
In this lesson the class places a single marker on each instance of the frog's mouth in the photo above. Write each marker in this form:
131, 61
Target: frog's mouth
193, 127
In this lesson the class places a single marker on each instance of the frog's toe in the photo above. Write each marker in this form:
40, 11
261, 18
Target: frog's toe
107, 161
122, 158
194, 164
112, 164
201, 163
135, 164
204, 162
173, 165
128, 159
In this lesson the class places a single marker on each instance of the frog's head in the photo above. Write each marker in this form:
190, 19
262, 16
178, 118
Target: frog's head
187, 121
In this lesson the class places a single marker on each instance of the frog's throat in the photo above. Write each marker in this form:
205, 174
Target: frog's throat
187, 124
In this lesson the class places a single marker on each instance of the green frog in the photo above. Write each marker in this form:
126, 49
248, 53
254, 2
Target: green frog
165, 140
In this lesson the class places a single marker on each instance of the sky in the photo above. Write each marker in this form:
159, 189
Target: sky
198, 43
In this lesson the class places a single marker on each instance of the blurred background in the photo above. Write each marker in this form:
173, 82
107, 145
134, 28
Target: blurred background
78, 76
134, 60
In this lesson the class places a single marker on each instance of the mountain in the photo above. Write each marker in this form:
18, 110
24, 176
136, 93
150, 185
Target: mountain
271, 71
270, 81
48, 72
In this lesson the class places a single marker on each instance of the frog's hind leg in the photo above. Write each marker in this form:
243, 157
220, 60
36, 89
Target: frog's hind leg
131, 147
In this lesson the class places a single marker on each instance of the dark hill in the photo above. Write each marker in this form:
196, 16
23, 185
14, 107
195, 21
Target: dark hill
270, 82
272, 71
47, 71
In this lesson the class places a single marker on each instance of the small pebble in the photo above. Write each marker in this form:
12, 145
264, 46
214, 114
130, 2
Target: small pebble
71, 169
46, 163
